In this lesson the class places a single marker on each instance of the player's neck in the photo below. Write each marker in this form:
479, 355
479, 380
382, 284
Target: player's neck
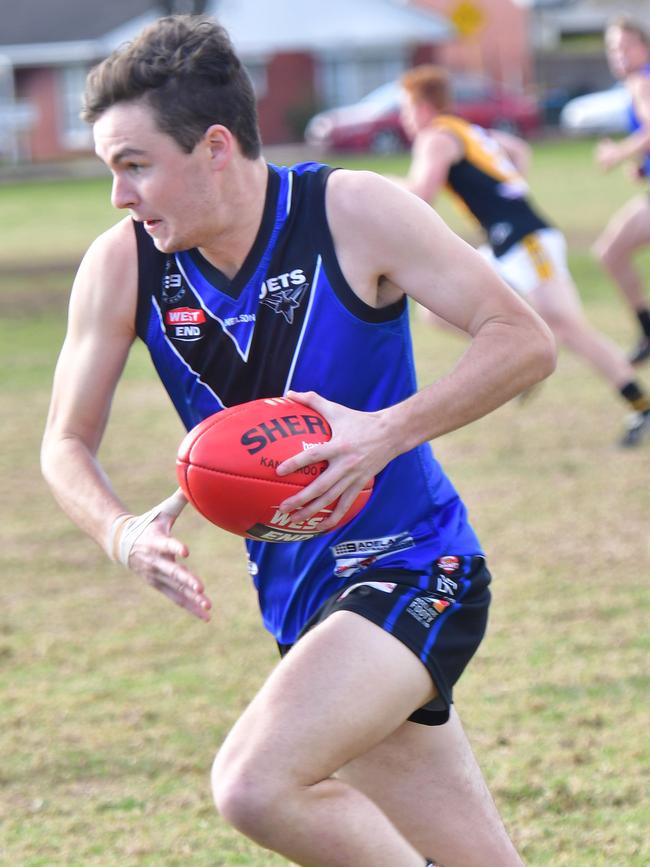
243, 195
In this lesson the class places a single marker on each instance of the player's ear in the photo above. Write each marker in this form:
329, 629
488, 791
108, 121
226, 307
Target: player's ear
220, 143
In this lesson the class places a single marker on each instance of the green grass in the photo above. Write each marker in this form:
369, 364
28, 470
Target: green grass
114, 702
52, 221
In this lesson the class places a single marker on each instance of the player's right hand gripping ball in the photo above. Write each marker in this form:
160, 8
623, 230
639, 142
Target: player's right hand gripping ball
226, 466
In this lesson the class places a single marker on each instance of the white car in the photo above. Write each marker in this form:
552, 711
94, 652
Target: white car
605, 112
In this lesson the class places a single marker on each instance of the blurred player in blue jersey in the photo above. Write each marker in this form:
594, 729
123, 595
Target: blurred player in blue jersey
295, 281
628, 53
484, 170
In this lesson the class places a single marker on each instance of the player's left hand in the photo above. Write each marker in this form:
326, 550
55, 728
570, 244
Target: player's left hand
358, 450
144, 544
607, 154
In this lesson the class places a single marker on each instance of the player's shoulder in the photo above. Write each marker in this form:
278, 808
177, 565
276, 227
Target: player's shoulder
373, 220
452, 123
108, 274
112, 255
350, 182
362, 203
118, 240
353, 192
446, 137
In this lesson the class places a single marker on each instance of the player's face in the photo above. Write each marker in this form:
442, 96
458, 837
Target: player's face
626, 52
415, 115
162, 186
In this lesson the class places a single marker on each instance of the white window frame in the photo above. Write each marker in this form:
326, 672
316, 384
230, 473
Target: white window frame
344, 77
74, 133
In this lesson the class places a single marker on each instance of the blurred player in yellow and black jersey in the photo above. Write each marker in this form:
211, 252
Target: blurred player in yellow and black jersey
487, 183
485, 171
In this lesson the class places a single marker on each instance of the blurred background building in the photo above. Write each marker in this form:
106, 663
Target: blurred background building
304, 56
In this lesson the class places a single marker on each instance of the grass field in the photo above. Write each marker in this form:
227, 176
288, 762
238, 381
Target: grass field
113, 702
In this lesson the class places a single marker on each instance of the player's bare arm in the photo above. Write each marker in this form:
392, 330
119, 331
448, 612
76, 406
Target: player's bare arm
98, 339
610, 153
384, 258
99, 335
434, 152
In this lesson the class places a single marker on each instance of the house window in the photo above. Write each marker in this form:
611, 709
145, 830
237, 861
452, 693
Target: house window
256, 70
75, 133
346, 79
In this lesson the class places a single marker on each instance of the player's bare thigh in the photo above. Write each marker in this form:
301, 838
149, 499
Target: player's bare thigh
344, 687
428, 783
557, 300
539, 271
627, 230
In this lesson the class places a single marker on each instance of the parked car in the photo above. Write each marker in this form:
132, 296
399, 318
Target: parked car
605, 112
553, 100
373, 123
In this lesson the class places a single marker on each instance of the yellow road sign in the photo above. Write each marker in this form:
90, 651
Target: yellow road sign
467, 18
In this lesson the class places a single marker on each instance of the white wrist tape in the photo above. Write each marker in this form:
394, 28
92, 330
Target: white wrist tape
126, 529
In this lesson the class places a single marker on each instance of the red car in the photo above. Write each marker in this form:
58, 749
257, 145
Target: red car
373, 124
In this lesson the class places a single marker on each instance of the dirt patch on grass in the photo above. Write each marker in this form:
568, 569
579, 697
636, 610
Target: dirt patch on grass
35, 290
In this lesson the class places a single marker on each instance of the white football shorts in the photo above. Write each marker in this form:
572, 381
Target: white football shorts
538, 257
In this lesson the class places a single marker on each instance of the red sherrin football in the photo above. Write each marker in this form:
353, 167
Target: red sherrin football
226, 467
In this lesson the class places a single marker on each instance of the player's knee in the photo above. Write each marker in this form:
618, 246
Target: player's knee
597, 250
566, 331
244, 796
571, 333
559, 323
608, 255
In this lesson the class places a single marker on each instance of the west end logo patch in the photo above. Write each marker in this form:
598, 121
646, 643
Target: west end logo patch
185, 322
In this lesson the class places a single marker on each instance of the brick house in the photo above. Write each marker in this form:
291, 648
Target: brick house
301, 54
540, 44
493, 39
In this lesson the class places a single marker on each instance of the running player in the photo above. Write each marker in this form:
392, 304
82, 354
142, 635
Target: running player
295, 281
485, 170
628, 53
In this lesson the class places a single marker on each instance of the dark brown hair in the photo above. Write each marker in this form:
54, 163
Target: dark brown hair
428, 83
186, 70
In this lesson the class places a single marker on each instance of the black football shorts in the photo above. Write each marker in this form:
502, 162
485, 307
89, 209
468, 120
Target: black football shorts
441, 616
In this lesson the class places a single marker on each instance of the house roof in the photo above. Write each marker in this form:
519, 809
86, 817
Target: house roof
33, 21
64, 31
315, 25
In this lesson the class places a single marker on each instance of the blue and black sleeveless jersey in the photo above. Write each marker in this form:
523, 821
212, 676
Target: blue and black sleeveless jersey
486, 183
288, 319
634, 123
